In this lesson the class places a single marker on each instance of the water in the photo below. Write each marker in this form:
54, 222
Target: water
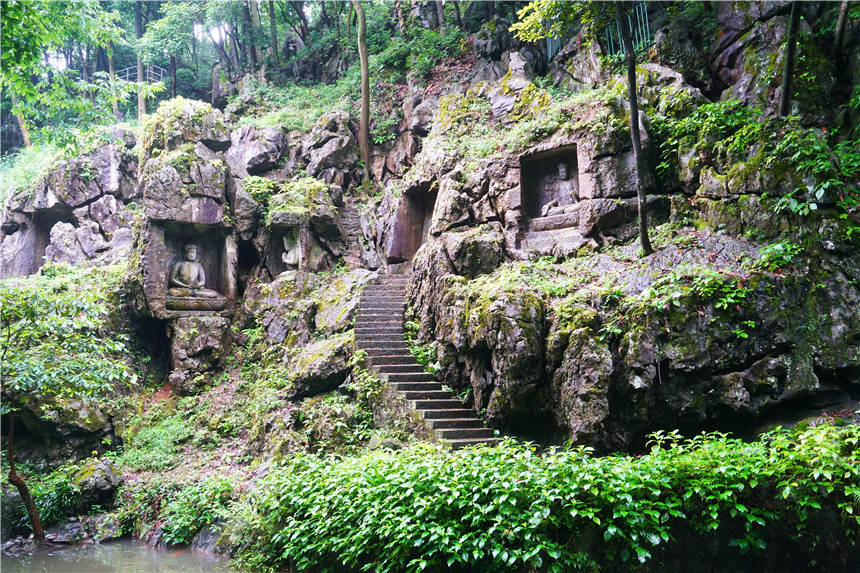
119, 556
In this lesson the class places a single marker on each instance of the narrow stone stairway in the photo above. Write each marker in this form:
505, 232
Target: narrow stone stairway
379, 332
350, 219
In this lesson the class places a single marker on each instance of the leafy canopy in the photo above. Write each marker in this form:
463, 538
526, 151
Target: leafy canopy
55, 338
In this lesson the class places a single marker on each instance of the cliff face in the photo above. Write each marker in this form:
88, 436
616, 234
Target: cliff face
512, 208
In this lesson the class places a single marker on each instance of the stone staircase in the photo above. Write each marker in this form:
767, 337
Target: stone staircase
379, 332
350, 219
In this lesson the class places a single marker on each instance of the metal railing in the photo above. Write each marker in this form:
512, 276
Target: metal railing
151, 74
639, 29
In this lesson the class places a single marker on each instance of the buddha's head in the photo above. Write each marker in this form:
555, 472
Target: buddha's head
190, 251
563, 170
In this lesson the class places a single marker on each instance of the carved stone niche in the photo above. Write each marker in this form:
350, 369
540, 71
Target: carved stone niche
216, 254
411, 225
289, 244
549, 183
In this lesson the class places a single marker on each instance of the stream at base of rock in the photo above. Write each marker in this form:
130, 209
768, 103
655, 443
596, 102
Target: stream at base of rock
126, 556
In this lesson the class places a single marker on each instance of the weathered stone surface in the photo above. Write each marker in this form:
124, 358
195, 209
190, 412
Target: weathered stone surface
321, 366
475, 252
338, 301
90, 239
222, 87
198, 347
493, 39
179, 121
255, 151
339, 151
97, 481
64, 246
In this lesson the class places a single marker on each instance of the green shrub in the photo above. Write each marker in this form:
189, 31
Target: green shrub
194, 507
55, 495
509, 508
156, 447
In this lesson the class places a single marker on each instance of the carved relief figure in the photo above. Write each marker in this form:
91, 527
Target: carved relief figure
292, 250
187, 277
562, 189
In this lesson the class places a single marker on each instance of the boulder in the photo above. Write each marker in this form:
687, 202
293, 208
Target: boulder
254, 151
321, 366
493, 39
222, 88
98, 482
90, 239
64, 246
338, 300
179, 121
476, 251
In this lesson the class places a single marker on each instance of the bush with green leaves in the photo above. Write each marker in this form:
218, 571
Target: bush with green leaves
59, 333
512, 508
194, 507
55, 494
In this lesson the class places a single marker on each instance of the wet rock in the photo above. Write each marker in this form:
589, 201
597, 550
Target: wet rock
207, 538
67, 533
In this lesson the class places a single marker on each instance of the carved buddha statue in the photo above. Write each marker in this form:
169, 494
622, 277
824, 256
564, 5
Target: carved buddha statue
563, 190
292, 255
187, 278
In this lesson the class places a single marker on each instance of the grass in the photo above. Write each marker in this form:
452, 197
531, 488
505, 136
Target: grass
21, 171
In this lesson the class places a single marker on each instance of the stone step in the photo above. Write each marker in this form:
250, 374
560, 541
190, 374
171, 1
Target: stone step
461, 443
364, 329
416, 386
381, 336
447, 413
381, 307
386, 297
378, 320
441, 423
464, 433
411, 377
427, 395
450, 404
401, 369
389, 344
379, 360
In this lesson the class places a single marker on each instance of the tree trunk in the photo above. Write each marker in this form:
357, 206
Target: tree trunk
457, 13
248, 27
790, 52
364, 123
22, 125
112, 74
299, 9
138, 32
440, 15
491, 10
172, 75
255, 32
840, 35
641, 175
234, 47
273, 32
23, 490
401, 20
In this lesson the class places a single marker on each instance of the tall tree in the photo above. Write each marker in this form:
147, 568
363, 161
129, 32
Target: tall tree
273, 34
641, 171
790, 57
840, 36
364, 122
138, 34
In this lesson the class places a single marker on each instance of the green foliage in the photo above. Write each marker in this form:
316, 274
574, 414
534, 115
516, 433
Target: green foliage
57, 338
140, 503
55, 495
21, 171
424, 354
155, 445
508, 508
194, 507
297, 107
777, 255
673, 290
